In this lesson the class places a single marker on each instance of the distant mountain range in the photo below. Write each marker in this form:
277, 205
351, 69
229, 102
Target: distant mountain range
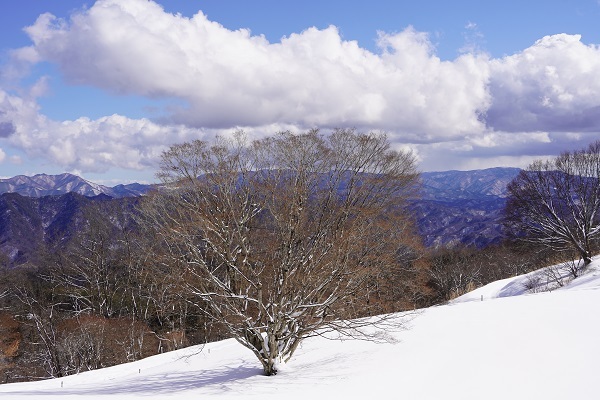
52, 185
455, 207
476, 184
436, 186
29, 225
462, 206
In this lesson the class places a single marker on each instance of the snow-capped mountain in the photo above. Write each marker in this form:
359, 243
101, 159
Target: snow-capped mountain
45, 185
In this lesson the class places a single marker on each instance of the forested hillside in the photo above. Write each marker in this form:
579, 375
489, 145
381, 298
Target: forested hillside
452, 208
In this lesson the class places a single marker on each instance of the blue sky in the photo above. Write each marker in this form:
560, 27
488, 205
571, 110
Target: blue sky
102, 88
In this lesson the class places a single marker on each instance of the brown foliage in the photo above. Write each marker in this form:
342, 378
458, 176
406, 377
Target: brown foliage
90, 342
10, 343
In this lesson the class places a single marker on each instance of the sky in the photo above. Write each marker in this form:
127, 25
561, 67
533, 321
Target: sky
499, 342
101, 89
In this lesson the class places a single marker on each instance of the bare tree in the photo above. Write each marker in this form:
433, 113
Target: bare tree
91, 272
557, 202
43, 314
4, 290
276, 239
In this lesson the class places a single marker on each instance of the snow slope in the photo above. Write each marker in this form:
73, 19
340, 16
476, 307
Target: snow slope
511, 345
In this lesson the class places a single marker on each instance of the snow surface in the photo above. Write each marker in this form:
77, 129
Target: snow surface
511, 345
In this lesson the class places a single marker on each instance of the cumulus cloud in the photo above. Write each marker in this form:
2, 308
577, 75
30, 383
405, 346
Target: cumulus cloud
552, 86
513, 108
89, 145
494, 149
97, 145
229, 78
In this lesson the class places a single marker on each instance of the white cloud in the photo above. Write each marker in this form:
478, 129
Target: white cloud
504, 139
552, 85
515, 149
114, 141
97, 145
474, 39
472, 163
90, 145
16, 160
516, 108
230, 78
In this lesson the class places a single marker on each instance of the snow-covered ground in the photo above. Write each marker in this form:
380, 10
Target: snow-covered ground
510, 345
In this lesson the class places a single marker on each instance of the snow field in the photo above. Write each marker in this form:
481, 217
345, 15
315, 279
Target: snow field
511, 345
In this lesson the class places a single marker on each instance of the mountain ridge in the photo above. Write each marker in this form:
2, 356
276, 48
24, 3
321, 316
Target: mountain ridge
437, 185
462, 207
480, 183
455, 208
50, 185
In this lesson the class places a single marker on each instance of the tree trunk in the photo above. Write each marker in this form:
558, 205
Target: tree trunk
269, 367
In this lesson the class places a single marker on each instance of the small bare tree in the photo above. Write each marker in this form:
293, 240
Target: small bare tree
277, 238
43, 315
556, 203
